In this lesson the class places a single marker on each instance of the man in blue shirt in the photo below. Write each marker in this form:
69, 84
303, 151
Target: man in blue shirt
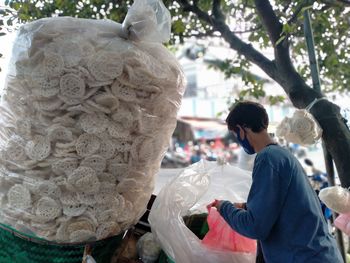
282, 211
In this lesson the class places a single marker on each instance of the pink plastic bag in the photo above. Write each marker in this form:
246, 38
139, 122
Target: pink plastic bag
222, 236
343, 223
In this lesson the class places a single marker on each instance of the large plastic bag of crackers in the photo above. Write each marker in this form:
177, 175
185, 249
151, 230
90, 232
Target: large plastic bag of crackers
86, 116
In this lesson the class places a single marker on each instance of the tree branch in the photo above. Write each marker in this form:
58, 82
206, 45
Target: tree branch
217, 13
247, 50
336, 2
344, 2
290, 80
281, 70
269, 20
248, 30
202, 35
187, 7
236, 43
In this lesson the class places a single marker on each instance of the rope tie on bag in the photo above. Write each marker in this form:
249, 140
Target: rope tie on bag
308, 108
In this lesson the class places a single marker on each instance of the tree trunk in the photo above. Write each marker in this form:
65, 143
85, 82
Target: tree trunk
336, 134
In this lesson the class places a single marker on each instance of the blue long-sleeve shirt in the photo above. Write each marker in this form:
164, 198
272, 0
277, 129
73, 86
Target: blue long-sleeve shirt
283, 212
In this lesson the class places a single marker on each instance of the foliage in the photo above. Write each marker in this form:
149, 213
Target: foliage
330, 24
8, 21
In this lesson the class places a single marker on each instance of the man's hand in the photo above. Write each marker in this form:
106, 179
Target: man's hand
216, 203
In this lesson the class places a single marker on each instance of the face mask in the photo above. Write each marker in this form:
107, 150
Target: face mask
244, 143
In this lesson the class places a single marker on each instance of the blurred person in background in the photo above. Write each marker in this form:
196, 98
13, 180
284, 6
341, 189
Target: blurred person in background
318, 179
196, 155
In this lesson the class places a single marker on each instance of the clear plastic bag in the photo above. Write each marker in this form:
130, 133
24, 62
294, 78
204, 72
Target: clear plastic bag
336, 198
148, 20
190, 191
86, 116
301, 128
222, 236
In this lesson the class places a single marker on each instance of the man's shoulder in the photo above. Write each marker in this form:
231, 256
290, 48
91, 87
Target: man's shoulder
274, 154
273, 150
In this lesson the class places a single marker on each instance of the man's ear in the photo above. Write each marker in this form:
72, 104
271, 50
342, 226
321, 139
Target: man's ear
241, 132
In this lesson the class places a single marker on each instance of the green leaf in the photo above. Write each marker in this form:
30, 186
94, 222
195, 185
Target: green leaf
205, 4
286, 28
306, 8
276, 99
179, 26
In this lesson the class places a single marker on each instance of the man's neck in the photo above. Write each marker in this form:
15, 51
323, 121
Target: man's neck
261, 140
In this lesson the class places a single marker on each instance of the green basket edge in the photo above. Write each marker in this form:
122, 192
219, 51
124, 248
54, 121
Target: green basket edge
102, 250
42, 241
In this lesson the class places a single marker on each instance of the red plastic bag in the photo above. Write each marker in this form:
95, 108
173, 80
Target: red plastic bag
222, 236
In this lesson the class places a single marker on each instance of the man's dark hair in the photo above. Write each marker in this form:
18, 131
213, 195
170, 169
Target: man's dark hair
248, 114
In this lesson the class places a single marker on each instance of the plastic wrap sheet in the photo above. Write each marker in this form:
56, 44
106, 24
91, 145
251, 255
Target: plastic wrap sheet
86, 116
195, 187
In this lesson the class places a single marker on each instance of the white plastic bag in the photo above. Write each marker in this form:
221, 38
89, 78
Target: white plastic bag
193, 189
86, 116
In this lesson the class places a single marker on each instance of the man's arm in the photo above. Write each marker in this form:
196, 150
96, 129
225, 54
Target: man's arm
265, 201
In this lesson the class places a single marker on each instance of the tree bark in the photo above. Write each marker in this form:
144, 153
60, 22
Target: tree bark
335, 132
